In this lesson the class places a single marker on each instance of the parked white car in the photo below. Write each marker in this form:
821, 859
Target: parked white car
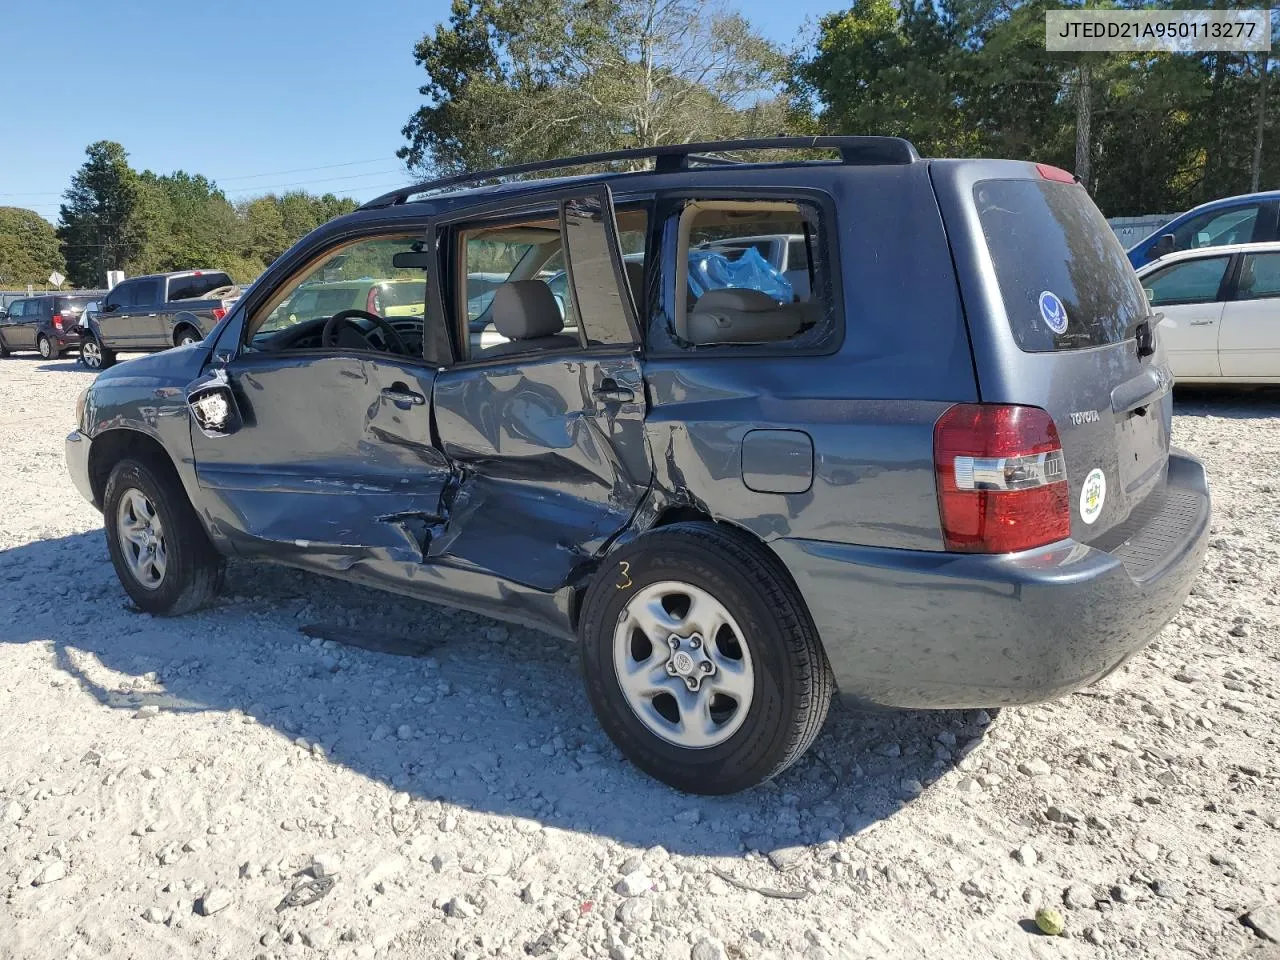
1221, 308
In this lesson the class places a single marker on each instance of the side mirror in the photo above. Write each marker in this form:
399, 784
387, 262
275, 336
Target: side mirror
213, 405
4, 314
1164, 245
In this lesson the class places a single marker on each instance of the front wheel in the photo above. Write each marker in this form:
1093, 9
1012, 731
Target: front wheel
701, 660
162, 556
95, 356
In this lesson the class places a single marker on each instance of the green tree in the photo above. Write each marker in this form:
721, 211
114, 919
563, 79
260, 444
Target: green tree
98, 224
510, 82
28, 248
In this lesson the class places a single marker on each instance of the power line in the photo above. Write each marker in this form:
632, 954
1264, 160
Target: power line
258, 176
281, 173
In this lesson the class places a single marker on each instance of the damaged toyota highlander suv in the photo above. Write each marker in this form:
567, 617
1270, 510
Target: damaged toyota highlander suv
936, 473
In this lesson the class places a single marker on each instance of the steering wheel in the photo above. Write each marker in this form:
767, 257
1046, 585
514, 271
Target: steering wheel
329, 335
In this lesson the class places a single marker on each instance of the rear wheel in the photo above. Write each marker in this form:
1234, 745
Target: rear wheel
94, 355
161, 554
185, 336
701, 661
48, 349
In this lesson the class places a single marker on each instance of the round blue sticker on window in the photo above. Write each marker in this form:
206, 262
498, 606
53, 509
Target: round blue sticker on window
1053, 311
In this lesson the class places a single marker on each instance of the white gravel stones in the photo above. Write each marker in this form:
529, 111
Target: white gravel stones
787, 858
51, 873
143, 713
635, 910
1026, 855
464, 840
325, 865
708, 949
219, 898
634, 884
1265, 921
1035, 767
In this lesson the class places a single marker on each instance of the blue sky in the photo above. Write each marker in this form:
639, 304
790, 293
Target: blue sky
258, 95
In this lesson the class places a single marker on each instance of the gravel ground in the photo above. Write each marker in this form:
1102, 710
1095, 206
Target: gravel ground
165, 783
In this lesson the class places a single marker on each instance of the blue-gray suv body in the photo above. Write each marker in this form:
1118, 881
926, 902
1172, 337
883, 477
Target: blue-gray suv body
935, 471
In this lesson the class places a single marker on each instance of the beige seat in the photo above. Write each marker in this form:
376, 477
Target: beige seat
739, 315
526, 313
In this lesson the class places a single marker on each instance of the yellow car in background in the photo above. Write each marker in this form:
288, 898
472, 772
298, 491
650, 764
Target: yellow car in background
385, 298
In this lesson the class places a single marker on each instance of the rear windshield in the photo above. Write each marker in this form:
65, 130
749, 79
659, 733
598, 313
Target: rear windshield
72, 306
1064, 278
196, 285
410, 294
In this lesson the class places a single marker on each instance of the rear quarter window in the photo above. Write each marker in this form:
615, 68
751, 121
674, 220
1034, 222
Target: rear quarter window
1047, 237
194, 286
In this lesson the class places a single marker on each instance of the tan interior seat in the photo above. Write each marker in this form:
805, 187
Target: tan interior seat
526, 313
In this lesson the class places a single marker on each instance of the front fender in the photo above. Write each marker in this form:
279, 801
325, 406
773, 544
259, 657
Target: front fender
148, 396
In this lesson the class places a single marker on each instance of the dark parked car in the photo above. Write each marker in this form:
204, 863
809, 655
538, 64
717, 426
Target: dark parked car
46, 324
940, 476
146, 314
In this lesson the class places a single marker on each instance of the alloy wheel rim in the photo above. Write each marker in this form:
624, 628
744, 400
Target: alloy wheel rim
89, 352
141, 538
44, 348
683, 665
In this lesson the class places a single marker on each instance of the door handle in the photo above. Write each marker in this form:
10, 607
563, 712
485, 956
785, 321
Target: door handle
1201, 323
153, 314
611, 392
402, 394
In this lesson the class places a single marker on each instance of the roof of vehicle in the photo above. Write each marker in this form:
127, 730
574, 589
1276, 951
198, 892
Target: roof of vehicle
1272, 246
173, 273
86, 297
1232, 201
859, 150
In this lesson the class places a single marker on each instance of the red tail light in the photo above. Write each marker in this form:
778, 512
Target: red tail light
372, 304
1002, 479
57, 321
219, 313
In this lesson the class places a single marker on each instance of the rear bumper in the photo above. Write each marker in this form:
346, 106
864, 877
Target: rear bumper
920, 629
77, 448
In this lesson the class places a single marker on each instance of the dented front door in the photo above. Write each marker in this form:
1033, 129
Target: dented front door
333, 463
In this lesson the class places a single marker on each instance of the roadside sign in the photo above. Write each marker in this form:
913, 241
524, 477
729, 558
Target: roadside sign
56, 278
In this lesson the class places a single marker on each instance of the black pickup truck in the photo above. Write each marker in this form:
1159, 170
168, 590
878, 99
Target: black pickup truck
156, 312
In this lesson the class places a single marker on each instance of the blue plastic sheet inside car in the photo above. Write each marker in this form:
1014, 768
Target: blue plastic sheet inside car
710, 270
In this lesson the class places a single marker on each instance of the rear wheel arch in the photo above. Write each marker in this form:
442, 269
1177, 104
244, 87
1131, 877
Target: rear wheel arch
186, 327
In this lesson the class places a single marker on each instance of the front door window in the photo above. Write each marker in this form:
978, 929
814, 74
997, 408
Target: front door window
352, 298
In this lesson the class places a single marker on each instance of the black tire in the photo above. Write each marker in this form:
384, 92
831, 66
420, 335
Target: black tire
792, 685
106, 358
194, 568
185, 335
47, 348
4, 351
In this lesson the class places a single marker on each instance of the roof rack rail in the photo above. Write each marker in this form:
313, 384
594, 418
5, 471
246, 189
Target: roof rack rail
853, 150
